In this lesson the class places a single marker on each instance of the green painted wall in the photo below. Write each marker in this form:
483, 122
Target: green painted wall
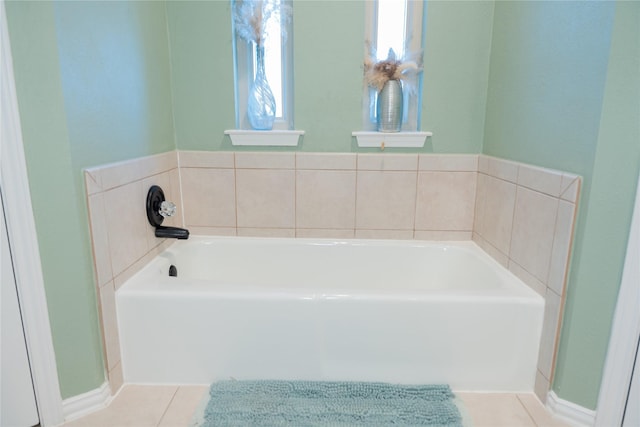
115, 70
93, 87
202, 72
328, 55
457, 52
56, 198
595, 279
564, 96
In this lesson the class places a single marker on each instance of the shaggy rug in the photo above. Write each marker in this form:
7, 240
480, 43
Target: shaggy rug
310, 403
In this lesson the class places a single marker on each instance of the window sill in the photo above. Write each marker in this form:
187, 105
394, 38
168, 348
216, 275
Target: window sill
285, 138
391, 139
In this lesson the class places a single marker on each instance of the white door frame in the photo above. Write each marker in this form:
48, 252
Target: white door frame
624, 334
23, 237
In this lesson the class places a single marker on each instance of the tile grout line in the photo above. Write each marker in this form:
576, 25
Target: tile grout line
168, 406
553, 242
235, 191
355, 198
526, 410
415, 199
295, 195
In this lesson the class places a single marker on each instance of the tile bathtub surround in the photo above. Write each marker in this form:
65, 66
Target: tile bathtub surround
524, 218
122, 238
329, 195
521, 215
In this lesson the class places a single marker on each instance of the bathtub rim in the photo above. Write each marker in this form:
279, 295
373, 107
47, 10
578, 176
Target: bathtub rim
138, 283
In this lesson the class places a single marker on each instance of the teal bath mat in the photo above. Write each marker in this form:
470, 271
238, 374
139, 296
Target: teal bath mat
309, 403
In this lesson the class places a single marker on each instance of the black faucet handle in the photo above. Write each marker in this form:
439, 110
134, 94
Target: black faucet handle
157, 210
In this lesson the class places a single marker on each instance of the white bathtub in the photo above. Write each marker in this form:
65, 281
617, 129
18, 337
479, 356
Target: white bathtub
358, 310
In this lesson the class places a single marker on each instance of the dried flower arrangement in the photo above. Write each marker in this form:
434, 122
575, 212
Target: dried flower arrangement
377, 73
251, 16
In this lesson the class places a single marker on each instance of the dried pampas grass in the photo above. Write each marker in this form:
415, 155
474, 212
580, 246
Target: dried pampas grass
250, 18
377, 73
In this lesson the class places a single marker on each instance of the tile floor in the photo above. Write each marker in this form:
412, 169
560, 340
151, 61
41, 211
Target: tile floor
173, 406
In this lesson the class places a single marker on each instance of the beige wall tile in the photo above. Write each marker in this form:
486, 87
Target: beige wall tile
100, 238
92, 181
127, 225
448, 162
385, 200
570, 187
137, 265
384, 234
116, 380
266, 232
528, 278
209, 197
325, 199
445, 200
110, 325
212, 231
117, 174
441, 235
333, 161
483, 164
206, 159
388, 162
121, 173
497, 213
552, 307
541, 387
158, 163
325, 233
163, 246
164, 161
175, 186
543, 180
481, 197
503, 169
491, 250
561, 246
251, 160
265, 198
533, 228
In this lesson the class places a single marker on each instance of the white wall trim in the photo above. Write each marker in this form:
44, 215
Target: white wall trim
83, 404
573, 414
624, 334
23, 237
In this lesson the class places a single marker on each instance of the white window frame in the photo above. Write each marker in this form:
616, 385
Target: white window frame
414, 31
243, 55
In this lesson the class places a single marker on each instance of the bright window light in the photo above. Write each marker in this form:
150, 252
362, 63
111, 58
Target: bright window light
391, 27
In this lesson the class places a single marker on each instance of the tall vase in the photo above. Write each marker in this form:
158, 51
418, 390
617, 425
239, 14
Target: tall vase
389, 107
261, 107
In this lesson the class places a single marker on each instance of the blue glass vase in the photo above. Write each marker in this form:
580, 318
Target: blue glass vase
261, 108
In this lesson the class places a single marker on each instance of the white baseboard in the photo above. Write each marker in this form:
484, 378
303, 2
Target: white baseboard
573, 414
83, 404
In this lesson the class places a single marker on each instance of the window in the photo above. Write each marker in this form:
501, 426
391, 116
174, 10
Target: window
278, 50
397, 25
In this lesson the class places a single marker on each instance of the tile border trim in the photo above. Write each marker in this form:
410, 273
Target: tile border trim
575, 414
86, 403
